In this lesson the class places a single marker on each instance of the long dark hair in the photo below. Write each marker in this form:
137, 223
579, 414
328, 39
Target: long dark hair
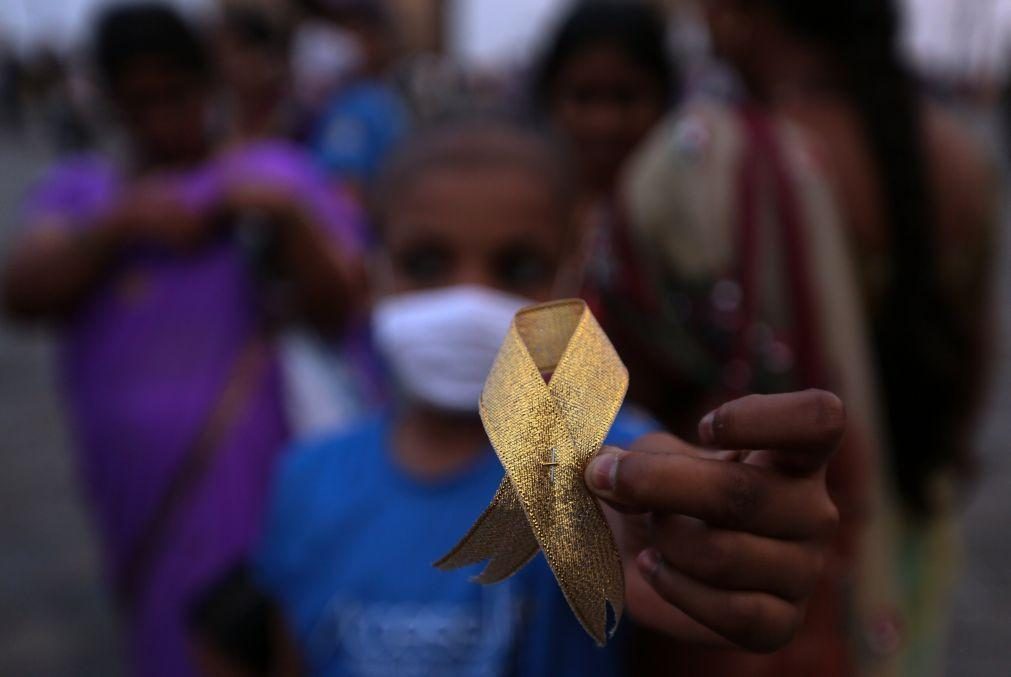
125, 33
636, 29
918, 344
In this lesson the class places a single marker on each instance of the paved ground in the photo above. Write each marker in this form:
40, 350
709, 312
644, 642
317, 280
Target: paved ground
55, 620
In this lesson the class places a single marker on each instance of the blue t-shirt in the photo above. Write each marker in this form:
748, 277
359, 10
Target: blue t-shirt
358, 130
348, 554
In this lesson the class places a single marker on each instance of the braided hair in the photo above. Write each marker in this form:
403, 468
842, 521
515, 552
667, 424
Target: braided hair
917, 343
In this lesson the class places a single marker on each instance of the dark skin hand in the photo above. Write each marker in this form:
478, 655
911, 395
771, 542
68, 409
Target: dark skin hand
724, 544
53, 270
322, 279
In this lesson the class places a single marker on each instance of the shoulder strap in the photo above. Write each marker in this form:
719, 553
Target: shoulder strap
193, 469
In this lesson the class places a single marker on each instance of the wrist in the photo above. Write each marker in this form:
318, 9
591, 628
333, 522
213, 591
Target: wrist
108, 234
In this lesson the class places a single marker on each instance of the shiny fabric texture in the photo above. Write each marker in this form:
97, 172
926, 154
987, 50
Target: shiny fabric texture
549, 401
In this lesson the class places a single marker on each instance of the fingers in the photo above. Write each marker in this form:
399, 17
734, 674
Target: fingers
737, 561
731, 496
803, 429
756, 621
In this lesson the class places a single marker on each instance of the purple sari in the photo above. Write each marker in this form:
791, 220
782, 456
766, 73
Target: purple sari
143, 363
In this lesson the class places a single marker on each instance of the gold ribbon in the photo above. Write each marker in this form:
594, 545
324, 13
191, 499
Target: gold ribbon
545, 433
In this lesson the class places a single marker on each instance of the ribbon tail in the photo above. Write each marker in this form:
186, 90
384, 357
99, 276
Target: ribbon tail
484, 541
586, 563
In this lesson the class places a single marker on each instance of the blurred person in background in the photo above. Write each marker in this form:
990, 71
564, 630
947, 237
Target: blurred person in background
330, 379
476, 222
831, 229
364, 117
253, 41
604, 81
149, 265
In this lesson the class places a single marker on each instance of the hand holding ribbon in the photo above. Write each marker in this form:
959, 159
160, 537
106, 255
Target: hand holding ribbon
725, 544
722, 544
545, 432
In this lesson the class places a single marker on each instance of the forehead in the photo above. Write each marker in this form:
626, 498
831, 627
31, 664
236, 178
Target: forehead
487, 202
603, 61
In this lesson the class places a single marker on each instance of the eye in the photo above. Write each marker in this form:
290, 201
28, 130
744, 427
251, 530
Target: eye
523, 268
427, 264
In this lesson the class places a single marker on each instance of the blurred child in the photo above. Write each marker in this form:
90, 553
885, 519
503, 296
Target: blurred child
604, 81
167, 269
253, 44
477, 221
474, 228
364, 117
329, 379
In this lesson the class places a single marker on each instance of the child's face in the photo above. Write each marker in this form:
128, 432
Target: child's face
500, 227
251, 70
164, 109
605, 104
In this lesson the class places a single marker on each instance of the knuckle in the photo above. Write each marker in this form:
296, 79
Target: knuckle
742, 496
761, 625
829, 414
825, 518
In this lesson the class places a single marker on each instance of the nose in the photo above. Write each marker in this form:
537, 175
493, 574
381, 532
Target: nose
477, 272
604, 118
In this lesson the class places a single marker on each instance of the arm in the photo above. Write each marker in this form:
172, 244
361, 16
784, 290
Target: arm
726, 547
323, 280
55, 266
53, 269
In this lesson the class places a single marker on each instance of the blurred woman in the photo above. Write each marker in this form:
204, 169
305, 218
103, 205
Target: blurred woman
364, 118
253, 45
153, 266
758, 215
602, 84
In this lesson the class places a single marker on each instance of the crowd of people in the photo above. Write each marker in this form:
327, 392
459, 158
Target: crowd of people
280, 280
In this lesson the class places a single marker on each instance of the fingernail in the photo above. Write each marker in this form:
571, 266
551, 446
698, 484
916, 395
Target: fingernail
649, 562
707, 434
604, 469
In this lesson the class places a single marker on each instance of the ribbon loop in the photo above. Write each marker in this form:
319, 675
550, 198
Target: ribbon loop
552, 395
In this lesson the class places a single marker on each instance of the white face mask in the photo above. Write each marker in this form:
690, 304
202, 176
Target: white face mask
441, 344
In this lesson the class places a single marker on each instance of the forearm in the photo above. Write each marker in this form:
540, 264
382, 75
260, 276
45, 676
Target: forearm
52, 271
321, 277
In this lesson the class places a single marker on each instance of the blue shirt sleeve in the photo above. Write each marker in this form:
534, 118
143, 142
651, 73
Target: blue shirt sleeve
630, 425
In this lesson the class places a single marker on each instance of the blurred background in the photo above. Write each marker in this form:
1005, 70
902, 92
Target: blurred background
55, 614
